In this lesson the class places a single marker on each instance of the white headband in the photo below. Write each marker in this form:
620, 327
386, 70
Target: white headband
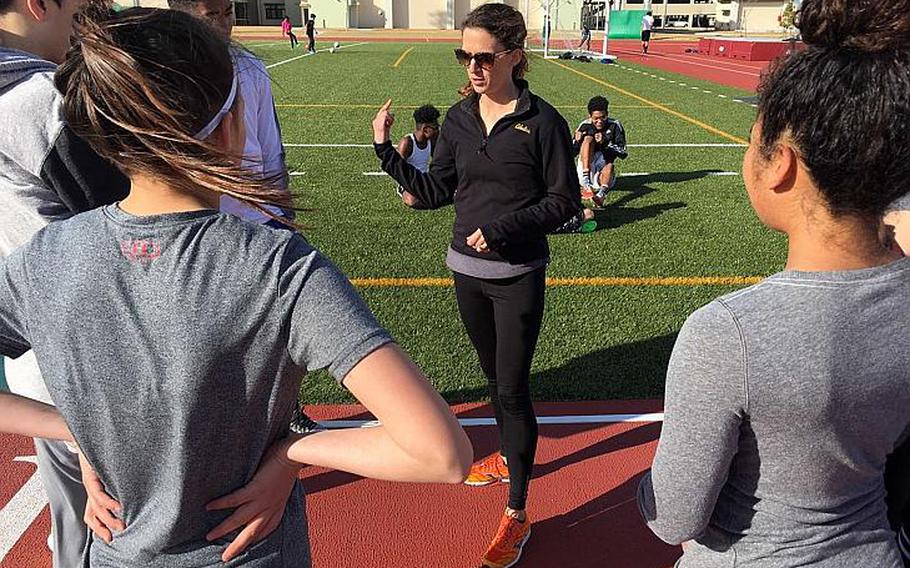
216, 120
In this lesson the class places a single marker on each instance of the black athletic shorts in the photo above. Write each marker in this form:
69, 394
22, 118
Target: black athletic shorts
645, 35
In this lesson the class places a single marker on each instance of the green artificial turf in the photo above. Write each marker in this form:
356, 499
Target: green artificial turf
678, 218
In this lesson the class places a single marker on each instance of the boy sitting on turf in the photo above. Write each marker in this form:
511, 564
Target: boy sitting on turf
599, 140
417, 147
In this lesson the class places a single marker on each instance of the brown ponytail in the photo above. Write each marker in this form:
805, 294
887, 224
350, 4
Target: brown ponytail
140, 85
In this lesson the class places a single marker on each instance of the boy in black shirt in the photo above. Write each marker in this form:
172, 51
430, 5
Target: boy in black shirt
311, 33
598, 142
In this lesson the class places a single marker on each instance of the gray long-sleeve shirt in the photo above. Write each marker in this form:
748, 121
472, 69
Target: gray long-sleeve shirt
783, 402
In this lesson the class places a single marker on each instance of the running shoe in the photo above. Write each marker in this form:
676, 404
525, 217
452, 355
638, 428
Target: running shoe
587, 192
505, 550
303, 424
600, 198
488, 471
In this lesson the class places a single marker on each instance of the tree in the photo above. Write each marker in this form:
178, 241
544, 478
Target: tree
788, 16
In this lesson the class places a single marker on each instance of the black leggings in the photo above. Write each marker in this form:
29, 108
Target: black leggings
293, 39
503, 318
311, 43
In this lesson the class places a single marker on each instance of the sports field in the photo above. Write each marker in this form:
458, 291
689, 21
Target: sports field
677, 231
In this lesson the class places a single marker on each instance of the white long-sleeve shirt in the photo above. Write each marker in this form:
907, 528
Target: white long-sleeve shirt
263, 150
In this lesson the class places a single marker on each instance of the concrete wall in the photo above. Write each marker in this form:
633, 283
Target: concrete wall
760, 16
333, 12
368, 14
750, 16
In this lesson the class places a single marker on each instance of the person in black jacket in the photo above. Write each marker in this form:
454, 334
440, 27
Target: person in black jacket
504, 158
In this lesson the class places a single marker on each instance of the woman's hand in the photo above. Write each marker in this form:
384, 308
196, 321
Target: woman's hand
260, 504
477, 242
382, 124
100, 508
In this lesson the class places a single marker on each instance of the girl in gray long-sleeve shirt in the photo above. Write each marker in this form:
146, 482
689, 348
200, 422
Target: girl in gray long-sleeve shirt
784, 400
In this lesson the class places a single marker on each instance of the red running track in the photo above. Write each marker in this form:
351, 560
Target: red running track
672, 56
582, 502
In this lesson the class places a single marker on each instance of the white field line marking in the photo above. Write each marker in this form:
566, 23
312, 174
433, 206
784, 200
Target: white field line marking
630, 174
713, 145
328, 145
19, 514
722, 96
642, 174
273, 65
543, 420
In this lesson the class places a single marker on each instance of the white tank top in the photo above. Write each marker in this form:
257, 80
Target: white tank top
420, 159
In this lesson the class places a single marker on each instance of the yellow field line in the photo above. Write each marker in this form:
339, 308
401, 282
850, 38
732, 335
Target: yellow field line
403, 55
658, 106
377, 105
570, 282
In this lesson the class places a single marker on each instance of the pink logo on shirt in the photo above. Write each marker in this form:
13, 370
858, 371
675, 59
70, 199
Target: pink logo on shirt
141, 250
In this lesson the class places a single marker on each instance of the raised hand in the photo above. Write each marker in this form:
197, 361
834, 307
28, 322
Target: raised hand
382, 123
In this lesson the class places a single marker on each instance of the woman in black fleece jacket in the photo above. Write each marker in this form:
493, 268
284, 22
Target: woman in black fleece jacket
504, 159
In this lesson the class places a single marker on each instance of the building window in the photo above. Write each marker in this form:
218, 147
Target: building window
274, 11
241, 13
725, 13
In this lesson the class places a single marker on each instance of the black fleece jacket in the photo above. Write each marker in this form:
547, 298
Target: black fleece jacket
515, 184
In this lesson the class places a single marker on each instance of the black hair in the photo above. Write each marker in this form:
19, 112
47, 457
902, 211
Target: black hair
598, 103
844, 102
427, 114
504, 23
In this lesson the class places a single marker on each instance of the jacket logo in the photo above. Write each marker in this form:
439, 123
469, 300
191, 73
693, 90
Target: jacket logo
140, 250
523, 128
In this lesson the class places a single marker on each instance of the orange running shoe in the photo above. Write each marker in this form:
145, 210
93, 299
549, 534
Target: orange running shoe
505, 550
488, 471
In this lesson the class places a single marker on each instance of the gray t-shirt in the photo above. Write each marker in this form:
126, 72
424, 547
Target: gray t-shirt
174, 346
783, 401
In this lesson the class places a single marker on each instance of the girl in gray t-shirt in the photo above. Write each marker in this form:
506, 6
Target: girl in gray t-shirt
173, 338
784, 400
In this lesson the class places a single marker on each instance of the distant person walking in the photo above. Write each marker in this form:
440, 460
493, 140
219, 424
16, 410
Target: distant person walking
585, 37
287, 29
311, 34
647, 24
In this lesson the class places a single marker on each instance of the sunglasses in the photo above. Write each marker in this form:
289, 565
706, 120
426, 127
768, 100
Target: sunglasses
484, 59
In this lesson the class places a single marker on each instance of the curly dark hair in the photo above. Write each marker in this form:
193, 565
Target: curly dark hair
427, 114
598, 103
844, 102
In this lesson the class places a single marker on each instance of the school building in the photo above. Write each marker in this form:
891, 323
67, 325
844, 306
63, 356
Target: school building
565, 15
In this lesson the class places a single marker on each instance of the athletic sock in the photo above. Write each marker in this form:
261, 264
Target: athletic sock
586, 178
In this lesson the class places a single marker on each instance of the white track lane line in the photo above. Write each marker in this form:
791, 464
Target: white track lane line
20, 512
542, 420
